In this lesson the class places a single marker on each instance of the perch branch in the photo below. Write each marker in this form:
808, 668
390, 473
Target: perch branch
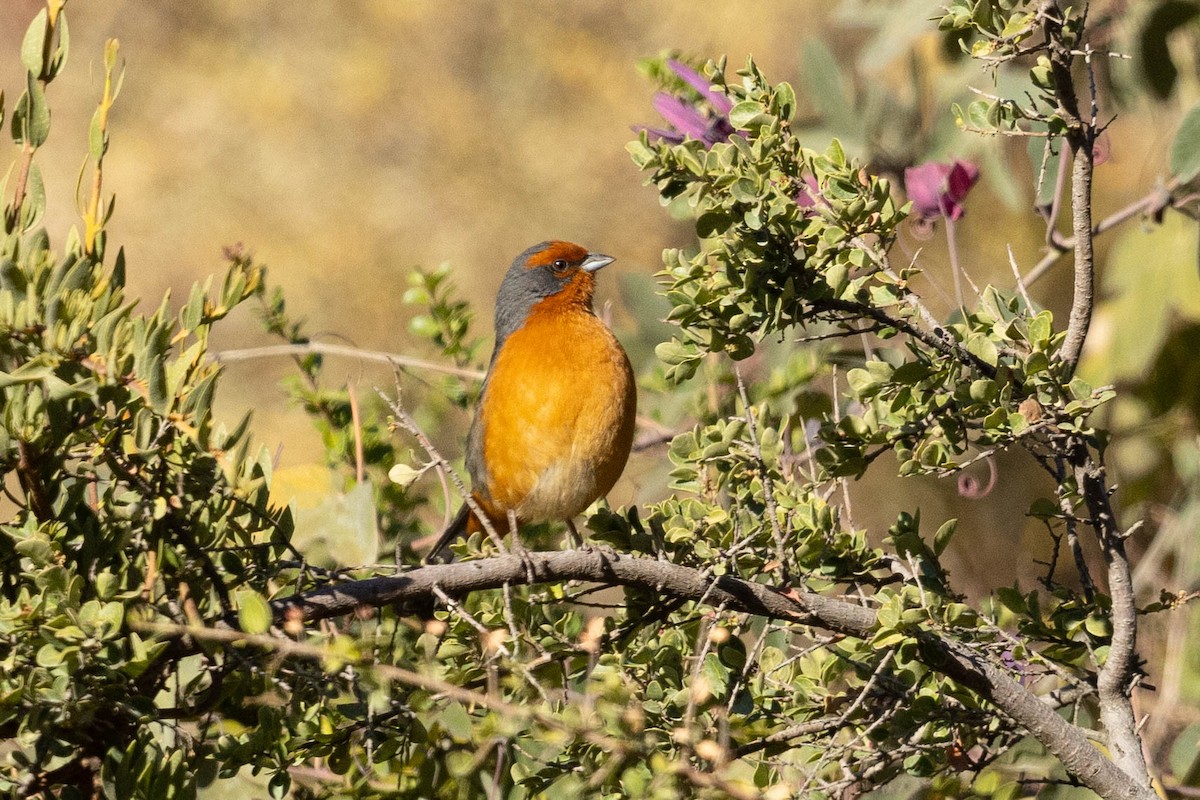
956, 660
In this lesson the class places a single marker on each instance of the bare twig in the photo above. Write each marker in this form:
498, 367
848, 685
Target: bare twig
326, 349
289, 647
1068, 512
1155, 201
405, 421
356, 422
1021, 287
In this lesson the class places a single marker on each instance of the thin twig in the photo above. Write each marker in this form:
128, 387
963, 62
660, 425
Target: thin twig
1021, 288
405, 421
326, 349
360, 472
1155, 201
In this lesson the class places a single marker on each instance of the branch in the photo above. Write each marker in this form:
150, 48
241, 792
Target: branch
617, 747
289, 647
29, 475
593, 565
951, 658
935, 337
1153, 203
1080, 137
1115, 678
1114, 681
324, 349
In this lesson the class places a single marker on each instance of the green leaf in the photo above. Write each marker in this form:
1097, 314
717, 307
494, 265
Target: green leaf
32, 44
29, 372
1079, 389
59, 59
785, 101
253, 610
193, 313
983, 348
746, 114
836, 153
1041, 327
280, 784
943, 536
1044, 508
1012, 599
97, 138
49, 656
35, 124
977, 114
863, 383
457, 722
1185, 150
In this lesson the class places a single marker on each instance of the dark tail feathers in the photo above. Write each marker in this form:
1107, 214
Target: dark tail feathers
456, 528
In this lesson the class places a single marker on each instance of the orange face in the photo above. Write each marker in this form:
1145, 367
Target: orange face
568, 263
560, 256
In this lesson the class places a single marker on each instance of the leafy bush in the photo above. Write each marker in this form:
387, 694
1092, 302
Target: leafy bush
166, 624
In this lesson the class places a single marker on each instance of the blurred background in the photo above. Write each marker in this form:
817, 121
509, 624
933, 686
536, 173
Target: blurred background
346, 141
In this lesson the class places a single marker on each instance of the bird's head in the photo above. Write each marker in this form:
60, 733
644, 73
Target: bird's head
554, 272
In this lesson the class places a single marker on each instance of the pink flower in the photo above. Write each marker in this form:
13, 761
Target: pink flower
937, 190
719, 101
688, 118
807, 194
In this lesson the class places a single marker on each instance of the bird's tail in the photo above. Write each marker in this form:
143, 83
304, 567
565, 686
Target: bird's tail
459, 526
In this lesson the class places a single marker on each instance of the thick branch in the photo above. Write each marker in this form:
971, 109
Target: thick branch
1114, 681
1081, 218
1080, 137
595, 566
953, 659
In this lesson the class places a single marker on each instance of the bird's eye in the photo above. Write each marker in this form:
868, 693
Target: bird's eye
560, 265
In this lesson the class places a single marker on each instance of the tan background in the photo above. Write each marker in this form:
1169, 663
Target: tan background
345, 142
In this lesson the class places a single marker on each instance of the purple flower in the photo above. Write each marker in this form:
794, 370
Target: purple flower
719, 100
687, 119
937, 190
807, 194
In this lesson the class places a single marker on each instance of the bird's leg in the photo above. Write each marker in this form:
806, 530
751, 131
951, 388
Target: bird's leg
519, 547
573, 534
513, 531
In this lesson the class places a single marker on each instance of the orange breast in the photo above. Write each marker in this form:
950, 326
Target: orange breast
557, 416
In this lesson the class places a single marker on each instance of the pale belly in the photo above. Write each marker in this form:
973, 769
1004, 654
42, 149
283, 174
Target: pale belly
563, 490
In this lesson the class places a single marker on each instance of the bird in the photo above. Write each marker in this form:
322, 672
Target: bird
554, 424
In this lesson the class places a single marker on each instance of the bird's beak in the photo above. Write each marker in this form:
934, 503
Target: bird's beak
595, 262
